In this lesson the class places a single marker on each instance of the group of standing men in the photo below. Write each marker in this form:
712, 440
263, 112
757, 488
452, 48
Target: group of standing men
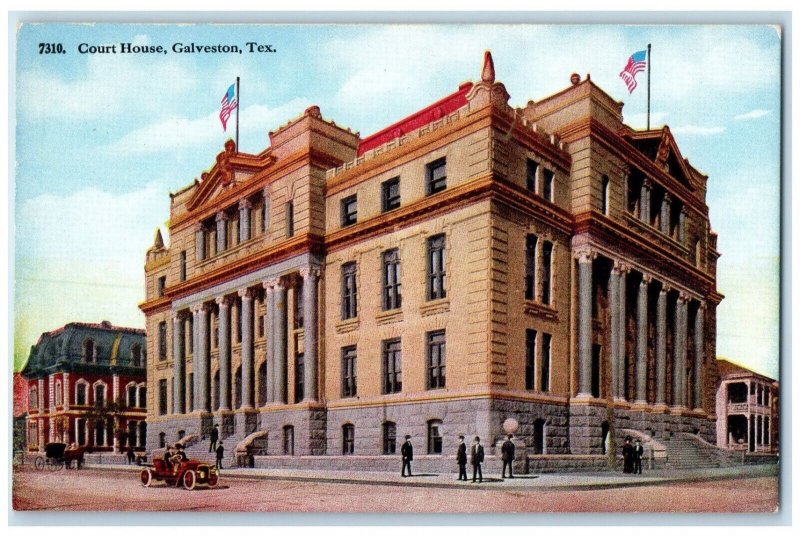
632, 456
476, 458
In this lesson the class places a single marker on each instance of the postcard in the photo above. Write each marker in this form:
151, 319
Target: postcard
396, 268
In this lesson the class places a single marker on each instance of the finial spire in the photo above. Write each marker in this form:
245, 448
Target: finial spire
159, 240
487, 75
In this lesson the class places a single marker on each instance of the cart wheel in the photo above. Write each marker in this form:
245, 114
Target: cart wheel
39, 463
189, 480
213, 478
146, 477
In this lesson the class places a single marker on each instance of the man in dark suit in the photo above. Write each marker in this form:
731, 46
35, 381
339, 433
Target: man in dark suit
476, 458
407, 452
508, 457
638, 452
212, 446
461, 459
220, 455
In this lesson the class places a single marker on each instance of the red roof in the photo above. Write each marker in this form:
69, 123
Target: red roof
429, 114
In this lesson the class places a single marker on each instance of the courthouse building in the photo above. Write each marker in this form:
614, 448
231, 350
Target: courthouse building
470, 263
75, 369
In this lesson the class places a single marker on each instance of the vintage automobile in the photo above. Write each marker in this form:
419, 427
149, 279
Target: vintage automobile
56, 456
188, 474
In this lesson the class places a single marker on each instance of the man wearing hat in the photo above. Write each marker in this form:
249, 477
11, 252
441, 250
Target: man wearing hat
407, 452
476, 459
461, 459
508, 456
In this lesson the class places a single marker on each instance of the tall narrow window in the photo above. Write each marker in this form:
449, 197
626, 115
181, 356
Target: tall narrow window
162, 340
389, 438
299, 377
596, 349
59, 394
239, 320
392, 366
547, 260
265, 214
136, 355
298, 306
530, 359
544, 382
349, 386
288, 440
349, 210
162, 397
436, 270
547, 185
390, 194
80, 394
289, 219
530, 267
348, 439
33, 397
530, 176
605, 184
131, 395
88, 350
162, 439
190, 334
391, 280
161, 283
183, 265
349, 292
436, 176
435, 437
436, 359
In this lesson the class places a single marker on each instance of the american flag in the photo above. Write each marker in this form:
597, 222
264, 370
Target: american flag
229, 104
636, 63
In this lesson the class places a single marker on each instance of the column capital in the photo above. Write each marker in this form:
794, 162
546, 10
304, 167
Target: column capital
197, 308
305, 272
245, 204
683, 297
221, 215
585, 254
223, 301
646, 279
199, 226
247, 292
667, 197
664, 289
647, 183
176, 316
271, 283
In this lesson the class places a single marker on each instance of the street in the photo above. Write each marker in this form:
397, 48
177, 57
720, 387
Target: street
112, 490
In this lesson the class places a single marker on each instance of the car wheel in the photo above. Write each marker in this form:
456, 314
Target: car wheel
39, 463
213, 478
189, 480
146, 477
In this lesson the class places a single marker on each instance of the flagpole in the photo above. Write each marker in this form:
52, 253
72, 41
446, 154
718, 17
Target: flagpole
648, 92
239, 106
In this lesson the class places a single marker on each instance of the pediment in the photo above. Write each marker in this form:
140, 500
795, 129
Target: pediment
661, 148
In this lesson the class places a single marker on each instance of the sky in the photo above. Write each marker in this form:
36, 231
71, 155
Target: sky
101, 139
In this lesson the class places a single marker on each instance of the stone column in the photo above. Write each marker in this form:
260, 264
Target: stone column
682, 226
613, 292
279, 349
699, 355
644, 201
665, 205
200, 242
247, 348
204, 400
661, 347
265, 216
269, 300
195, 358
244, 219
679, 354
641, 341
623, 331
585, 259
224, 345
222, 228
310, 276
178, 364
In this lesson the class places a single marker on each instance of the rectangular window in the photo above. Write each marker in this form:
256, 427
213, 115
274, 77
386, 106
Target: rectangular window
390, 194
547, 259
349, 294
530, 359
265, 215
183, 265
349, 387
392, 298
392, 367
299, 377
544, 382
298, 306
162, 397
348, 439
349, 210
436, 270
161, 283
530, 176
190, 334
289, 219
389, 438
434, 437
547, 185
530, 267
436, 359
604, 194
436, 176
162, 340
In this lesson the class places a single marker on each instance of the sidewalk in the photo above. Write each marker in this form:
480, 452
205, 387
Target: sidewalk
524, 482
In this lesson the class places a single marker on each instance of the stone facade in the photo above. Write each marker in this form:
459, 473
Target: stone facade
468, 264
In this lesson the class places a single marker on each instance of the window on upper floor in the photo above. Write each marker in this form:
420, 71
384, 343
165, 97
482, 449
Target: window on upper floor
530, 359
162, 340
162, 397
33, 397
349, 362
289, 219
530, 266
161, 283
349, 291
547, 270
532, 169
698, 253
136, 355
265, 215
436, 268
238, 319
298, 306
131, 393
436, 176
349, 210
59, 395
392, 297
544, 381
435, 343
183, 265
80, 393
100, 395
392, 366
89, 350
390, 194
548, 177
605, 185
633, 195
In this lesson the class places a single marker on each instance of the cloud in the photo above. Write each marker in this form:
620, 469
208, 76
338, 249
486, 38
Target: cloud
697, 130
753, 114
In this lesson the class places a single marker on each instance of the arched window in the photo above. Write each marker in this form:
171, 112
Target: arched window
435, 437
89, 350
142, 396
130, 392
59, 394
288, 440
162, 440
136, 355
80, 392
389, 438
33, 397
348, 438
99, 394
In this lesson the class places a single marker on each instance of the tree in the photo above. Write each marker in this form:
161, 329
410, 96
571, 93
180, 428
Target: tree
109, 412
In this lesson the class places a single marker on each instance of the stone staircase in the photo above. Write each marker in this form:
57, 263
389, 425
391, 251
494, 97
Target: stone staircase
686, 451
198, 450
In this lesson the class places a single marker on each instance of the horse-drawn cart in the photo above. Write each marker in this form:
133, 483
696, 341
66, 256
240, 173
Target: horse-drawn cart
57, 456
